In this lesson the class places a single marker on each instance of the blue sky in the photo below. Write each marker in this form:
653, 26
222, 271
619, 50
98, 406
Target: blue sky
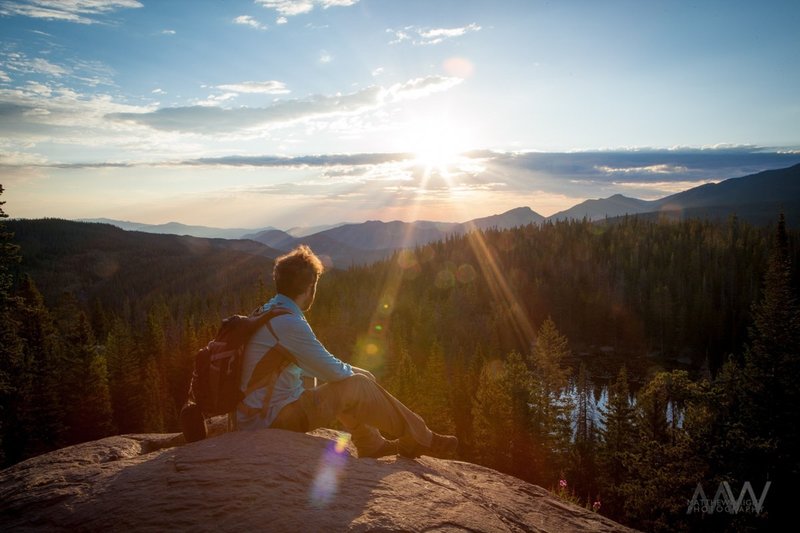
304, 112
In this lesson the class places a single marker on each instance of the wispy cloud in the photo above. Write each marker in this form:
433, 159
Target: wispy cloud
651, 190
421, 87
90, 73
40, 112
303, 161
213, 120
325, 57
78, 11
290, 8
651, 169
4, 77
256, 87
247, 20
427, 36
168, 32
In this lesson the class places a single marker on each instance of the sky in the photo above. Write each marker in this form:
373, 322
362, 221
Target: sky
286, 113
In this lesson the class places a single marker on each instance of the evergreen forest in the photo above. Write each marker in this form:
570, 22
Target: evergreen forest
620, 364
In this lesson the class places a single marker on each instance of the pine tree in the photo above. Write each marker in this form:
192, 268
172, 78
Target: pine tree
617, 437
435, 402
761, 392
86, 395
124, 379
583, 463
404, 383
551, 426
11, 346
40, 417
517, 381
492, 418
664, 458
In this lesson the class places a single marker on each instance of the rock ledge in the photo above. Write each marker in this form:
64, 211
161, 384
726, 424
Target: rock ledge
269, 480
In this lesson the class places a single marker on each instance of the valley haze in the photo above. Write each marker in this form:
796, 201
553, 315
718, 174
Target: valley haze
757, 198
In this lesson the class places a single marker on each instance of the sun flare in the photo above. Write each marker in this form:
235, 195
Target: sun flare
437, 143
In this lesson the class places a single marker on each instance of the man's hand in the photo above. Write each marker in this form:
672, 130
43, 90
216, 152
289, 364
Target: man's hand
367, 373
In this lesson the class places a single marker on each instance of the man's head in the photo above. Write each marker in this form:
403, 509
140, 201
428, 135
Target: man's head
296, 275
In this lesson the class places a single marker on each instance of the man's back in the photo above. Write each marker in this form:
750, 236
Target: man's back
294, 334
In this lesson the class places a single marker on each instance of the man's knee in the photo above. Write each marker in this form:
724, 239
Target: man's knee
357, 383
358, 380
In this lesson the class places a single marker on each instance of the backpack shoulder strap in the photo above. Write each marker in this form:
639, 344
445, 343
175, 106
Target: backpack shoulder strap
265, 318
273, 313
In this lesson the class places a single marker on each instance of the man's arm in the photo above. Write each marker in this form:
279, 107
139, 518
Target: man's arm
296, 335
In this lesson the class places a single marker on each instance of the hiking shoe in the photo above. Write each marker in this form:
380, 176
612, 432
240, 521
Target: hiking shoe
389, 447
442, 447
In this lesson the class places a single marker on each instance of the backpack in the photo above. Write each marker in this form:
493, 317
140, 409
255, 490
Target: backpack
217, 375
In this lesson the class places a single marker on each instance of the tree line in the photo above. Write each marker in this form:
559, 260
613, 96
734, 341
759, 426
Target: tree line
481, 334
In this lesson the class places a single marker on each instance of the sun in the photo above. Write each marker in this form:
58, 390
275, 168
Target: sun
437, 143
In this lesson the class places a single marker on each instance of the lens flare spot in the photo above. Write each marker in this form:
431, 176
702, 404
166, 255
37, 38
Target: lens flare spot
341, 443
445, 279
459, 67
378, 328
329, 472
371, 349
406, 259
426, 254
385, 308
466, 273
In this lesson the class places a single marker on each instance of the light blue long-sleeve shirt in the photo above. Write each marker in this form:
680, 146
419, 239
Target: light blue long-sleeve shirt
312, 358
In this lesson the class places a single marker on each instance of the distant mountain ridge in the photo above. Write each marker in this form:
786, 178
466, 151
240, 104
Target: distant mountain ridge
756, 198
375, 239
176, 228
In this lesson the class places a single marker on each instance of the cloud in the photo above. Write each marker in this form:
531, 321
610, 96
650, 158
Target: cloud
4, 77
290, 8
168, 32
78, 11
21, 159
652, 169
427, 36
43, 66
91, 73
19, 62
281, 20
216, 99
651, 190
325, 57
213, 120
421, 87
39, 112
303, 161
256, 87
247, 20
612, 171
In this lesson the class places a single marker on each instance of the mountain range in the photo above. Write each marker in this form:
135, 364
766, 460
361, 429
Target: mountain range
757, 198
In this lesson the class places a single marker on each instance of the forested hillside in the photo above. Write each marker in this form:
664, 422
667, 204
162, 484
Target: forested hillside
483, 334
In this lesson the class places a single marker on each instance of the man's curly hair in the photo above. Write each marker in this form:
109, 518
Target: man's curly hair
295, 271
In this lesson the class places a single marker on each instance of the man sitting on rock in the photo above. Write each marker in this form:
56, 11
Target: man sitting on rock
349, 394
